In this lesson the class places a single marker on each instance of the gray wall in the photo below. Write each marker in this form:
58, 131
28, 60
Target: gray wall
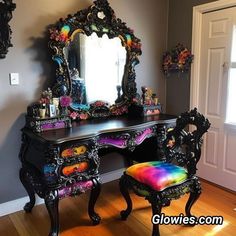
31, 59
180, 31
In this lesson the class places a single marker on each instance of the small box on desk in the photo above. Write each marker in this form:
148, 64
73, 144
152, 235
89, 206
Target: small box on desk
39, 124
144, 110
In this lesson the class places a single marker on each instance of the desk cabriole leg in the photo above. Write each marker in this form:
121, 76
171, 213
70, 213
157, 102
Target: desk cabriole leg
92, 201
24, 178
51, 202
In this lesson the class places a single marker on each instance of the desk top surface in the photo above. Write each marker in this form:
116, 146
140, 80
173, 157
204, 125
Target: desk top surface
86, 129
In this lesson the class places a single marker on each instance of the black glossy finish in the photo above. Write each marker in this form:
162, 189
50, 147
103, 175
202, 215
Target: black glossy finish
51, 202
124, 191
93, 198
92, 128
181, 148
156, 210
43, 162
28, 206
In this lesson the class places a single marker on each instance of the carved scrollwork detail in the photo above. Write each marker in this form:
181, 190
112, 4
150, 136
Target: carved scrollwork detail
52, 154
6, 9
164, 196
33, 178
141, 135
53, 163
93, 156
114, 140
51, 196
195, 185
39, 125
138, 137
128, 140
24, 147
99, 18
66, 165
185, 146
161, 136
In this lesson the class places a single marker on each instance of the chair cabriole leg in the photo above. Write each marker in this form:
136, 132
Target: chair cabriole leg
156, 210
124, 191
193, 197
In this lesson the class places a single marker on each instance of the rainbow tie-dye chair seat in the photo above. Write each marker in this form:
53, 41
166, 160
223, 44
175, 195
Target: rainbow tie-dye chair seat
158, 175
161, 181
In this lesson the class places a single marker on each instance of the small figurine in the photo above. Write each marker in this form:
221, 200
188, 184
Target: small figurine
56, 102
118, 88
144, 93
148, 98
155, 99
147, 95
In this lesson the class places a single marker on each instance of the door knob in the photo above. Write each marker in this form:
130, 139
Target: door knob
225, 66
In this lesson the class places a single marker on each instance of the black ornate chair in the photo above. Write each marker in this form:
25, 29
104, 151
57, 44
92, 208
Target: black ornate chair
161, 181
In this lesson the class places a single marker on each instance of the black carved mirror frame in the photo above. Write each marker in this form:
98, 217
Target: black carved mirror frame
6, 8
99, 18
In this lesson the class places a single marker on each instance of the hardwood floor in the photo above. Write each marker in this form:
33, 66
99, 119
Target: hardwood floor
74, 219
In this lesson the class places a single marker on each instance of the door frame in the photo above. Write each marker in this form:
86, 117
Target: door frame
198, 12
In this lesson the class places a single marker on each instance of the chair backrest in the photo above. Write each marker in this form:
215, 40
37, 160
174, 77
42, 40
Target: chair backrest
184, 146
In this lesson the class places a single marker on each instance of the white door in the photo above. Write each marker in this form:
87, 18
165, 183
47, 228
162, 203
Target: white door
218, 162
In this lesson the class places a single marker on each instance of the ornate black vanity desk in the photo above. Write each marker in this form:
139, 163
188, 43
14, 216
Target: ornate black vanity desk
95, 53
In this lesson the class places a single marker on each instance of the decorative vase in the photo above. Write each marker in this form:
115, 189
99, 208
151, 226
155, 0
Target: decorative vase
42, 113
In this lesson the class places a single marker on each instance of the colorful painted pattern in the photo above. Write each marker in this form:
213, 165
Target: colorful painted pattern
128, 40
49, 171
76, 188
140, 138
113, 141
65, 32
74, 151
157, 175
77, 168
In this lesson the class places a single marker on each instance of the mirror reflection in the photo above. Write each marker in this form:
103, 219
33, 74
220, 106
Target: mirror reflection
96, 67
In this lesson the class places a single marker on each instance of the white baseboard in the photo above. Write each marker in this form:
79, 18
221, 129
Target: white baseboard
18, 204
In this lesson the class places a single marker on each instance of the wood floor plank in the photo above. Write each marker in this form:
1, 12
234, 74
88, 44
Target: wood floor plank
6, 227
74, 219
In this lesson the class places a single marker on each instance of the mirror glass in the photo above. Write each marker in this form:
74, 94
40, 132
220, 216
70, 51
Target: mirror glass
96, 66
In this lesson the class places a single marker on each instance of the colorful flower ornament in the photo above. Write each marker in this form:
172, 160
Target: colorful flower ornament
65, 101
178, 59
60, 36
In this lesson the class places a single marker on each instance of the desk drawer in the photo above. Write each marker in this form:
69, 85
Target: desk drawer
80, 166
75, 162
76, 168
74, 151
